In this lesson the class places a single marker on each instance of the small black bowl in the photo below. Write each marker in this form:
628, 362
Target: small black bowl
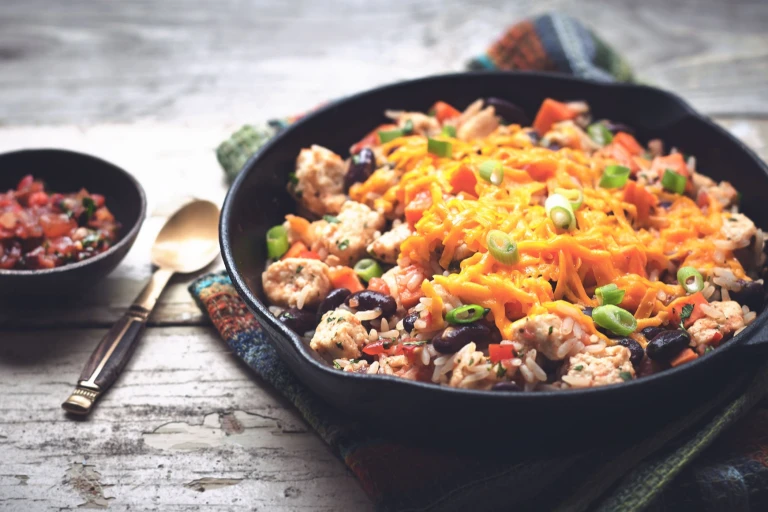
67, 171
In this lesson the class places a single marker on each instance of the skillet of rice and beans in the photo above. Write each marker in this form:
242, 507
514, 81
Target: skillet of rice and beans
472, 250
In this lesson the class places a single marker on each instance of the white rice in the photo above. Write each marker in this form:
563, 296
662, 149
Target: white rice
394, 333
275, 310
517, 361
374, 368
719, 257
373, 335
506, 342
577, 347
538, 372
597, 347
425, 356
712, 312
420, 324
565, 348
476, 376
414, 281
368, 315
527, 374
691, 163
400, 326
302, 297
750, 317
708, 291
384, 325
724, 295
567, 326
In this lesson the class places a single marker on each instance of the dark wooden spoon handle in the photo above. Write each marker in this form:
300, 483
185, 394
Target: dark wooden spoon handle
115, 348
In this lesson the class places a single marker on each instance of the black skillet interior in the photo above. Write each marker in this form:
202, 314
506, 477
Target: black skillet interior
258, 201
66, 172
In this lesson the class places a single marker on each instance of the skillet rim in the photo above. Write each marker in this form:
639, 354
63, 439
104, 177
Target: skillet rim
264, 316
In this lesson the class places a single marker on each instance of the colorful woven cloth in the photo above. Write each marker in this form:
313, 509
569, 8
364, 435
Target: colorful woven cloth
654, 473
734, 471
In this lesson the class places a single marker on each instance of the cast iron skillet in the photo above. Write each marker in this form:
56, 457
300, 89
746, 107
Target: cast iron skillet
68, 171
258, 200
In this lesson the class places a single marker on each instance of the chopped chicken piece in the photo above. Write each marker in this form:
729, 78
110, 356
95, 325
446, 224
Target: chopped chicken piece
347, 235
339, 335
479, 125
722, 320
320, 174
737, 228
609, 366
387, 247
297, 282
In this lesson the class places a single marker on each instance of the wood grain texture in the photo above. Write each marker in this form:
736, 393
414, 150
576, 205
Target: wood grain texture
236, 60
185, 428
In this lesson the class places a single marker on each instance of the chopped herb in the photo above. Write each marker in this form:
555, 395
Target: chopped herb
66, 210
471, 361
414, 343
92, 239
551, 328
299, 193
331, 219
685, 314
386, 344
408, 127
708, 350
299, 269
336, 365
625, 376
90, 207
293, 179
733, 219
343, 244
356, 158
338, 344
578, 368
500, 371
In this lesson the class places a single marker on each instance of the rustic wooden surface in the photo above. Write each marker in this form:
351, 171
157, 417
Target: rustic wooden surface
153, 87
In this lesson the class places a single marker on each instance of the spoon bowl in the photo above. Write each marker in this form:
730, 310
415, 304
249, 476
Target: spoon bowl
189, 239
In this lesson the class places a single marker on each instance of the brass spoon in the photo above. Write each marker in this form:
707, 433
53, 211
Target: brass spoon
187, 243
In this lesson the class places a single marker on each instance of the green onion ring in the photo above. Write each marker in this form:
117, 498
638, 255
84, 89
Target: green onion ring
390, 135
466, 314
690, 279
502, 247
560, 211
575, 196
599, 133
277, 242
449, 130
609, 294
615, 319
368, 268
439, 147
492, 171
673, 181
614, 176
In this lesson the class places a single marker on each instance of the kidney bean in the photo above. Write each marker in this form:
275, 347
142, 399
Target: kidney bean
455, 337
652, 332
508, 111
635, 350
408, 322
332, 301
366, 300
666, 345
588, 311
298, 320
360, 169
506, 386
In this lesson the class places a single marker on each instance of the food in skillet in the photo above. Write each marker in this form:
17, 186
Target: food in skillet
40, 230
471, 250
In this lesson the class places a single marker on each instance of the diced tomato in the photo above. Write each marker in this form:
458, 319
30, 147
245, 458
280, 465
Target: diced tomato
376, 348
541, 170
312, 255
418, 205
444, 111
25, 182
409, 298
675, 308
295, 250
372, 139
98, 200
629, 143
622, 156
38, 199
513, 310
464, 180
498, 352
56, 225
377, 284
673, 162
346, 277
551, 112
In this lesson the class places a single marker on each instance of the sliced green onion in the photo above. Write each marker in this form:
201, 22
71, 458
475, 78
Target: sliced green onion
690, 279
466, 314
439, 147
502, 248
614, 176
674, 182
493, 171
599, 133
609, 294
449, 130
615, 319
408, 127
560, 211
575, 196
390, 135
277, 242
368, 269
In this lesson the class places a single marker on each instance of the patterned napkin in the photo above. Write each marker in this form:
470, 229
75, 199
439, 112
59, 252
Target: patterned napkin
658, 473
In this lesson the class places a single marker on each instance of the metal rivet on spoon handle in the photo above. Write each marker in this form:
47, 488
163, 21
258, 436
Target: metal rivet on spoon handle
187, 243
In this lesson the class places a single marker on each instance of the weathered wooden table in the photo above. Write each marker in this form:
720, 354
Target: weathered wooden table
153, 87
